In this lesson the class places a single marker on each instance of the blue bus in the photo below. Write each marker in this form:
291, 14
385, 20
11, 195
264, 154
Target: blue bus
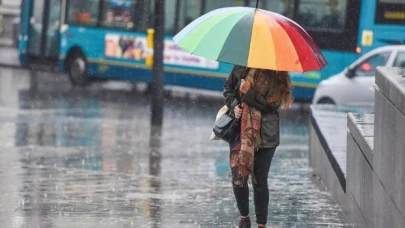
107, 38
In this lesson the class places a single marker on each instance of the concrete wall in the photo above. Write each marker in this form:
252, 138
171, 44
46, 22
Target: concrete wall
359, 170
322, 167
374, 194
376, 155
389, 148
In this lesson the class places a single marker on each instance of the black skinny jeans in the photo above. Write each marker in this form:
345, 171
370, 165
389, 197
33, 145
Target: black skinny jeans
263, 159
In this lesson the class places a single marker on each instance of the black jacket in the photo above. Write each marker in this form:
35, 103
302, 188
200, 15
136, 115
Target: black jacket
270, 125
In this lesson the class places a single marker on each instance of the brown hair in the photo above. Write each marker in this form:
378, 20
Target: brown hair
280, 87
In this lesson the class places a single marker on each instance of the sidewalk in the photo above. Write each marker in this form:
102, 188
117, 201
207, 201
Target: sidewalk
85, 158
8, 56
5, 42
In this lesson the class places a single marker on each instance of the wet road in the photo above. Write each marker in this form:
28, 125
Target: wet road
85, 158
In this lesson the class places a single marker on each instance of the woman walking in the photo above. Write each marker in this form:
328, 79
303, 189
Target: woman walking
255, 95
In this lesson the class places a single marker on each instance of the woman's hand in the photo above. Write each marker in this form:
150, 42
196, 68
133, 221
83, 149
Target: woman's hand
238, 112
244, 86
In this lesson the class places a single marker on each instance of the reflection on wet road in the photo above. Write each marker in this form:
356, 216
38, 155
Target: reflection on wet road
85, 158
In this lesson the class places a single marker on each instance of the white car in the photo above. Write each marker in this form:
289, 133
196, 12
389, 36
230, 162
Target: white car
354, 87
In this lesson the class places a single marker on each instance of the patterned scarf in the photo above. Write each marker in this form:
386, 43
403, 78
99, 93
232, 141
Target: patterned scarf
242, 154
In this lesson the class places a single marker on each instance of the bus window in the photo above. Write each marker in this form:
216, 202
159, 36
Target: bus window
327, 20
118, 14
215, 4
390, 12
83, 12
180, 13
23, 17
144, 14
284, 7
326, 15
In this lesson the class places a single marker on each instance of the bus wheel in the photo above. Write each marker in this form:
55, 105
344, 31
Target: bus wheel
77, 70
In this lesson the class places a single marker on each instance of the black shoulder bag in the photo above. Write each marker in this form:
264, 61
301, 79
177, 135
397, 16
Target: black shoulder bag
227, 127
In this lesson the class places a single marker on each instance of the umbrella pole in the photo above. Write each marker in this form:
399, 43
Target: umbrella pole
257, 4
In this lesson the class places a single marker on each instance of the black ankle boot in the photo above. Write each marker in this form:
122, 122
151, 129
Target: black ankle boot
245, 222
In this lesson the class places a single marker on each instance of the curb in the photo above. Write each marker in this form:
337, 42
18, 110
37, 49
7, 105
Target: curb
7, 44
11, 66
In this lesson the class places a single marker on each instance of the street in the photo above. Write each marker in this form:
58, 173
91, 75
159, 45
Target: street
84, 157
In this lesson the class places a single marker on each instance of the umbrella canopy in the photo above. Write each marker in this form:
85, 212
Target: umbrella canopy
251, 37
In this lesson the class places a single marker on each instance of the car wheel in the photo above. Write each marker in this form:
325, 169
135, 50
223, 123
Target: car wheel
326, 100
76, 69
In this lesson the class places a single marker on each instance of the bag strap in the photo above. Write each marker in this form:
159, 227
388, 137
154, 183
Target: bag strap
245, 73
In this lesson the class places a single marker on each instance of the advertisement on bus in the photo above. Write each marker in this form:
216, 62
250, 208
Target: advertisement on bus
134, 48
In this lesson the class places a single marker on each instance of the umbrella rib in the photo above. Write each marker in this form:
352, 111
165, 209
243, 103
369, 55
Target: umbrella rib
225, 52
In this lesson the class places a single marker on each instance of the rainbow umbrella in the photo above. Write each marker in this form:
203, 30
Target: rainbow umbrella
251, 37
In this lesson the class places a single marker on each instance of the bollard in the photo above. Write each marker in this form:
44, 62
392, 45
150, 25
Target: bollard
149, 45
